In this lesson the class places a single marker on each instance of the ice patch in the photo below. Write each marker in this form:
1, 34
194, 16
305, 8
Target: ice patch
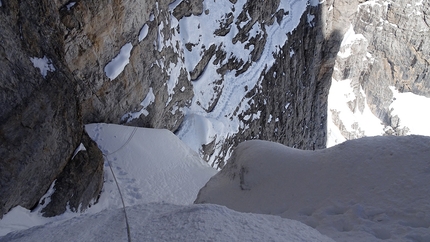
292, 52
44, 64
117, 64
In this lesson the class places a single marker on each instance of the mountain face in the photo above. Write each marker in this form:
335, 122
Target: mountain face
214, 72
385, 51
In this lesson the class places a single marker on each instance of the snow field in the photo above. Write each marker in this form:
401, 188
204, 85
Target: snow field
150, 165
168, 222
369, 189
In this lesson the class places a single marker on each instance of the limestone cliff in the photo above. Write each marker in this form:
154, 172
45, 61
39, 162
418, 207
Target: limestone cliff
55, 58
386, 47
214, 72
41, 116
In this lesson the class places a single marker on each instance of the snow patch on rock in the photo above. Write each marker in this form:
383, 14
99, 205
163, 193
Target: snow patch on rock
117, 64
43, 64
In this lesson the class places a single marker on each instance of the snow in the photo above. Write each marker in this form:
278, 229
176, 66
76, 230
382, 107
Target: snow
70, 5
309, 19
159, 177
0, 4
409, 108
349, 39
117, 64
343, 100
341, 93
167, 222
149, 99
80, 147
44, 64
315, 3
223, 118
368, 189
150, 165
143, 32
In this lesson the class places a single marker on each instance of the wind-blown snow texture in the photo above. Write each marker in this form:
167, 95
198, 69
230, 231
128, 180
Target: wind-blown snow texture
362, 190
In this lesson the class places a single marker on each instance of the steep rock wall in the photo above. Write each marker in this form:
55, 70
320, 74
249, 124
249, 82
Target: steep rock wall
277, 92
267, 66
40, 116
387, 45
96, 32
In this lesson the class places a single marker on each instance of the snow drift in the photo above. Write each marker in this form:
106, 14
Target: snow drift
167, 222
361, 190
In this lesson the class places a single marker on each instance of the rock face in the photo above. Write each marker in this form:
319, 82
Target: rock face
80, 182
94, 34
277, 91
387, 45
215, 72
40, 117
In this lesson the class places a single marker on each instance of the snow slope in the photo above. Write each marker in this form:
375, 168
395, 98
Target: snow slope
167, 222
159, 177
368, 189
151, 165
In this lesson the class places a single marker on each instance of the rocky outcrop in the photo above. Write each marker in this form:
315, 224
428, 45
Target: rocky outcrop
387, 46
79, 184
90, 44
41, 122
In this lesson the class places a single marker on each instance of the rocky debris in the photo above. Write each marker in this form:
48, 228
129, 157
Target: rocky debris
79, 184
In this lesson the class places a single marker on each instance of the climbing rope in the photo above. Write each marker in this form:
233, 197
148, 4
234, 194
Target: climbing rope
116, 181
122, 200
